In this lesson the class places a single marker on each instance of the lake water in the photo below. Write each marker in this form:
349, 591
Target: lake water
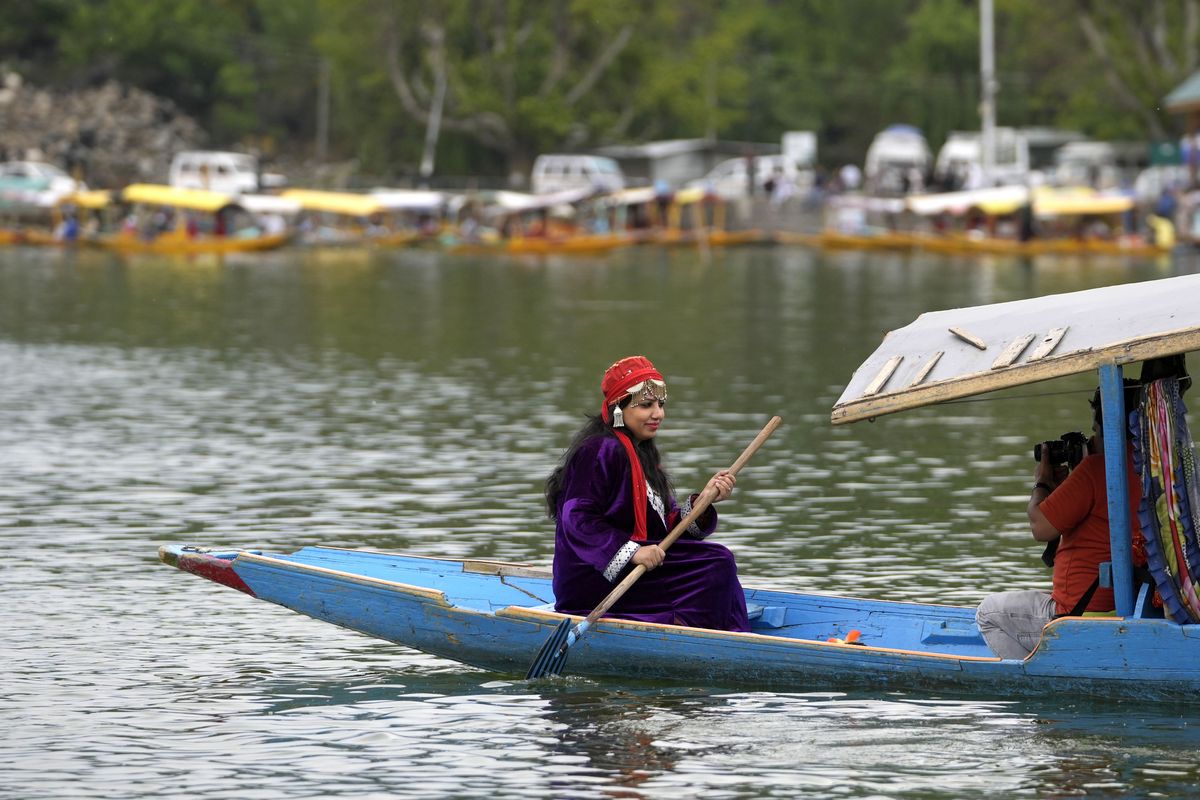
409, 400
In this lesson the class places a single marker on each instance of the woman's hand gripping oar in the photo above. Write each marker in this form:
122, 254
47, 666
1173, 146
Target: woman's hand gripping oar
553, 655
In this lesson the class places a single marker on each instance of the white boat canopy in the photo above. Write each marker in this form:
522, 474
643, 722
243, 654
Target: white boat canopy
269, 204
958, 203
515, 202
945, 355
415, 200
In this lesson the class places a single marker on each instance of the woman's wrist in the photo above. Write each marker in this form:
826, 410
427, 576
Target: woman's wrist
1044, 486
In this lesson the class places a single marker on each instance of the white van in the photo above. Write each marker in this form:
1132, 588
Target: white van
1101, 165
555, 173
961, 158
893, 152
219, 171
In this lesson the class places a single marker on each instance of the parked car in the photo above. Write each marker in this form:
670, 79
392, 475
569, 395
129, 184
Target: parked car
557, 172
728, 179
219, 171
1150, 182
34, 184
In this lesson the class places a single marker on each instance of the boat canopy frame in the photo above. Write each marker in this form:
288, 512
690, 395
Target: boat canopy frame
946, 355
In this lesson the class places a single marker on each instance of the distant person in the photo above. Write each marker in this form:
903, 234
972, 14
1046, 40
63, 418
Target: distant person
782, 189
851, 177
273, 224
68, 229
1167, 203
612, 503
916, 180
974, 179
1025, 226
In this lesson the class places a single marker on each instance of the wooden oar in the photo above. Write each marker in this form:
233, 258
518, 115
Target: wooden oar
553, 655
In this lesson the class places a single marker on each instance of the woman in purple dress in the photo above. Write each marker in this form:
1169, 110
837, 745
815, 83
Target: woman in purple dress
612, 504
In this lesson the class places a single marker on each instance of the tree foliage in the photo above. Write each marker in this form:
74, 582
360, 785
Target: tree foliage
495, 82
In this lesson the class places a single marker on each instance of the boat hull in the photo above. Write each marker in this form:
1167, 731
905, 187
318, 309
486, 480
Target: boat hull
170, 244
497, 616
955, 244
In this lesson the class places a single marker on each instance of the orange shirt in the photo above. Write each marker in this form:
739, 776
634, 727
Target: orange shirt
1078, 509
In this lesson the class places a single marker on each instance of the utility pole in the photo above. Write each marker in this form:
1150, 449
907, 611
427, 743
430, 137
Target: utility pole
323, 80
987, 80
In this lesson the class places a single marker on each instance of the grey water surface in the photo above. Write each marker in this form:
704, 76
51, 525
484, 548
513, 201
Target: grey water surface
415, 401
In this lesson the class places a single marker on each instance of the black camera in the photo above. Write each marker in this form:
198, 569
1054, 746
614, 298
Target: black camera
1069, 449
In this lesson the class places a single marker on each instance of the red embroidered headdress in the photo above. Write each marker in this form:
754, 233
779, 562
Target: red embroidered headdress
627, 376
632, 375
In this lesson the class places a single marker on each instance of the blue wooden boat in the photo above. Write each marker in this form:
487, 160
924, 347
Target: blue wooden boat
497, 615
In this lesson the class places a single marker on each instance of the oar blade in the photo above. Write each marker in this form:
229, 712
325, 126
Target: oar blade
553, 655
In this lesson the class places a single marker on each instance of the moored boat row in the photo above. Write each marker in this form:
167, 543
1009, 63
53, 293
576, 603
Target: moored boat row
148, 218
165, 219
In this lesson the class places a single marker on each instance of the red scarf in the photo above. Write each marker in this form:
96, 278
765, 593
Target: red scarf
641, 497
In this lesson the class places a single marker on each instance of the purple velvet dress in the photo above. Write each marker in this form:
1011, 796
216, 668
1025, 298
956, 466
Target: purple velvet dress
696, 584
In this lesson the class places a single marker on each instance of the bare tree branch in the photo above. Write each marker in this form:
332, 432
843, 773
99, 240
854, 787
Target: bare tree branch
1124, 94
396, 74
502, 53
621, 125
523, 33
489, 128
1159, 37
1191, 27
559, 58
601, 63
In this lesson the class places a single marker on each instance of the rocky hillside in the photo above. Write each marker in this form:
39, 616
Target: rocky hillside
108, 136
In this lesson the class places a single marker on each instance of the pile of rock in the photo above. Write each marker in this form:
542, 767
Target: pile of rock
108, 136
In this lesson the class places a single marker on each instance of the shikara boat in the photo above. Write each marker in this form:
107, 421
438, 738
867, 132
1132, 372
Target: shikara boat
699, 218
191, 223
88, 207
346, 219
497, 615
1061, 212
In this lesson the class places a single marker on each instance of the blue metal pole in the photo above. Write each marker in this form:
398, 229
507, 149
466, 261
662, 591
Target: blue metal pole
1112, 399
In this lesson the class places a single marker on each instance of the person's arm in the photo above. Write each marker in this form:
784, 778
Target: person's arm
1041, 527
1069, 504
722, 484
1044, 485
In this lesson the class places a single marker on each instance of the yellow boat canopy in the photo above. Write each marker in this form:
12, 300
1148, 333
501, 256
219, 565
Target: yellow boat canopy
175, 197
994, 200
347, 203
631, 197
945, 355
1004, 200
92, 199
1072, 202
693, 195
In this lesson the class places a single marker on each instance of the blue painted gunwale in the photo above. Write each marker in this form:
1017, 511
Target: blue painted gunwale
496, 616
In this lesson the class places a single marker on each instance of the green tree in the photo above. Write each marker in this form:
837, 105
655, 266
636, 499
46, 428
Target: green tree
519, 77
233, 64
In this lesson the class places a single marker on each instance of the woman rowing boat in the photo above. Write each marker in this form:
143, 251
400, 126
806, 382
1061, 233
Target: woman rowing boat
612, 503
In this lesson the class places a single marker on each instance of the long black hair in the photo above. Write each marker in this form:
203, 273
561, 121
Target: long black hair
647, 453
